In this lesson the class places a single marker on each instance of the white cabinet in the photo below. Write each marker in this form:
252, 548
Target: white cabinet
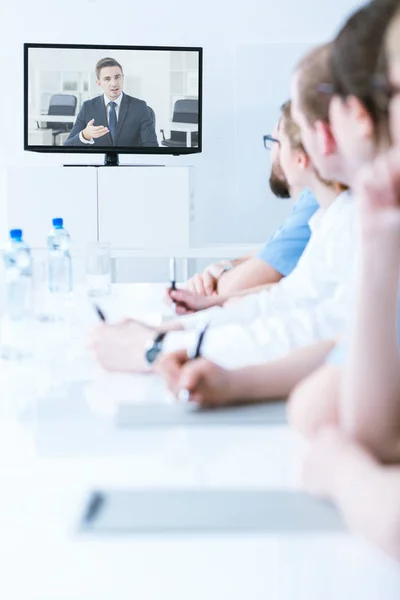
133, 208
144, 212
144, 207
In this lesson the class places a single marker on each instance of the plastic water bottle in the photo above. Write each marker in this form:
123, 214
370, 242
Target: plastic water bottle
15, 338
18, 277
60, 265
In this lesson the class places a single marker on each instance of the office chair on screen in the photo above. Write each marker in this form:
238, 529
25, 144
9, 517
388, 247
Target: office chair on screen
185, 111
61, 105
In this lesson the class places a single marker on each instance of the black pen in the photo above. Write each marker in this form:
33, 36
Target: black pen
172, 273
184, 394
100, 313
96, 502
172, 279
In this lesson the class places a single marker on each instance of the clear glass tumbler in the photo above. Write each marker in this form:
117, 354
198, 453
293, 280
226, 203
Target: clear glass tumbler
98, 269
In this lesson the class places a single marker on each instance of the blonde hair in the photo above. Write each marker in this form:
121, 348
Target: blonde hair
290, 128
313, 69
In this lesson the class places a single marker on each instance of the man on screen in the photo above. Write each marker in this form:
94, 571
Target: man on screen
113, 119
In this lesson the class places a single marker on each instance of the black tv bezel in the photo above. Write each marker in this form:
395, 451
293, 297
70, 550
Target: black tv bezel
117, 149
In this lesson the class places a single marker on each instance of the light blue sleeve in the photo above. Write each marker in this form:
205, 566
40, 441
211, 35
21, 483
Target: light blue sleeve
284, 248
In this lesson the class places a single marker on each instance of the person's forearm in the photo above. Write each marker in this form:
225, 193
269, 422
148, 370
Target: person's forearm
238, 261
247, 274
370, 407
220, 300
254, 290
278, 378
368, 495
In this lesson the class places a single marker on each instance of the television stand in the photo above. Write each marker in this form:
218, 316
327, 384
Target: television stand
111, 159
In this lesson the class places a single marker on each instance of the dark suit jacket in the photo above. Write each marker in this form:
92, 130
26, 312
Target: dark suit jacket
134, 128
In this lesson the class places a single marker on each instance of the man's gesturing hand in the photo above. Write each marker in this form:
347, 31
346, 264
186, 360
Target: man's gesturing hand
91, 132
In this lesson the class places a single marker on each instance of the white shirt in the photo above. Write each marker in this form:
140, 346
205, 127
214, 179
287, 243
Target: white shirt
311, 304
108, 108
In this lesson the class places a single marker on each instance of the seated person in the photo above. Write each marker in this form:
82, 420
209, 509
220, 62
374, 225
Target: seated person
211, 384
308, 306
114, 118
316, 401
280, 254
345, 460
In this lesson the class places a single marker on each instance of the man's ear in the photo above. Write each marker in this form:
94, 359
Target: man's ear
98, 83
326, 141
360, 116
303, 160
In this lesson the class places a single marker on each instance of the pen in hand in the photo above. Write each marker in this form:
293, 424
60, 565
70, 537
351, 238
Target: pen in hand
172, 273
172, 278
184, 394
100, 313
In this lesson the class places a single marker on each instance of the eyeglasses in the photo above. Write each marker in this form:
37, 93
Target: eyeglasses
269, 141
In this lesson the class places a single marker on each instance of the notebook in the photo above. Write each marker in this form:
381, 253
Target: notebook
184, 511
188, 415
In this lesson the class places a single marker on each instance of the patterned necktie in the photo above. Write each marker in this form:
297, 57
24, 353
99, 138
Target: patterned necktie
112, 120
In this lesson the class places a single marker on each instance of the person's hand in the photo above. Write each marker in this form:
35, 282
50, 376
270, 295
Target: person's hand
204, 284
209, 385
328, 451
122, 347
377, 190
187, 303
92, 132
169, 367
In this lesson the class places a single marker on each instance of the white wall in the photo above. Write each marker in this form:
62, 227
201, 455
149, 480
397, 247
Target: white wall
232, 201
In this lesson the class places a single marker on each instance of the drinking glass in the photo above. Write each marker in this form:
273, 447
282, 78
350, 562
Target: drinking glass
98, 269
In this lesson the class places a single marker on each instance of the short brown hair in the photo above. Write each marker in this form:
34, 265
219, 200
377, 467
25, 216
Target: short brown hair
314, 69
107, 62
290, 128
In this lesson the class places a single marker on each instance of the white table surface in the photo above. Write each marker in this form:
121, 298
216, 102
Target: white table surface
49, 464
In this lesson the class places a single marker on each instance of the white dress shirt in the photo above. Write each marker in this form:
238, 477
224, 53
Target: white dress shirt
310, 304
107, 103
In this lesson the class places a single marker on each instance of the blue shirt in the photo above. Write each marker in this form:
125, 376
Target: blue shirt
284, 248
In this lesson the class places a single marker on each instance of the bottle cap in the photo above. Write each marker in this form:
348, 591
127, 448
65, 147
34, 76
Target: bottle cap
58, 222
16, 234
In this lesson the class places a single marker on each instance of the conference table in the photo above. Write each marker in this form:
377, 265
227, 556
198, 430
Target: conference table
59, 441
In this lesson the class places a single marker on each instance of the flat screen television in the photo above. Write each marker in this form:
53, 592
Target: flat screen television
112, 100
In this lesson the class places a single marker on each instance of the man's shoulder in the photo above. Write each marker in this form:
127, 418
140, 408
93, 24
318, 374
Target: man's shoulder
340, 215
306, 200
303, 210
343, 204
92, 102
134, 101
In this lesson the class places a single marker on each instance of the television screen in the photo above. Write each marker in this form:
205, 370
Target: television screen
112, 99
